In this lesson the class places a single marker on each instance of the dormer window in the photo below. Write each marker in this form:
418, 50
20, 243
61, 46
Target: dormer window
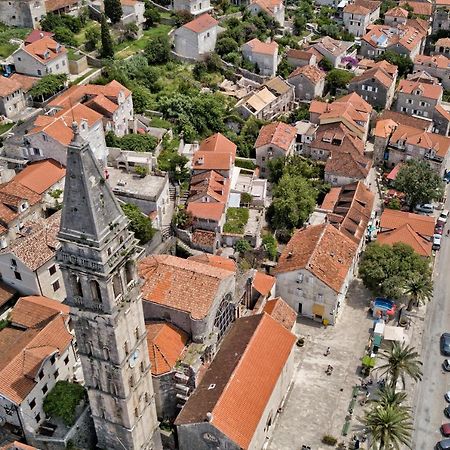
24, 206
417, 92
46, 54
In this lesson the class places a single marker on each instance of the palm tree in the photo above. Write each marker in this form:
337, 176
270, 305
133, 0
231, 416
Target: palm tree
419, 289
388, 397
401, 360
389, 426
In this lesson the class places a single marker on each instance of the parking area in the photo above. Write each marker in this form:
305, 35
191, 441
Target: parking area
317, 403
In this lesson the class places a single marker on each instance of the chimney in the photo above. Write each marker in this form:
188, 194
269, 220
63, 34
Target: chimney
209, 417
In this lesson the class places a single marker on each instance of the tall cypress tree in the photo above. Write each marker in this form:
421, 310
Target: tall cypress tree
107, 50
113, 10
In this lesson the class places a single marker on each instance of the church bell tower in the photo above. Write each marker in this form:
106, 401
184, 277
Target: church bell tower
98, 260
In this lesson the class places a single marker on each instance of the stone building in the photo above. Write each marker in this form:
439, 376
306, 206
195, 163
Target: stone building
263, 54
98, 257
13, 96
309, 82
396, 16
274, 8
359, 15
437, 66
236, 404
441, 16
22, 13
195, 7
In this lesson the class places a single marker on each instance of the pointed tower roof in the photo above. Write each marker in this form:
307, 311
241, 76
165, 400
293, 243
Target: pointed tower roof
90, 209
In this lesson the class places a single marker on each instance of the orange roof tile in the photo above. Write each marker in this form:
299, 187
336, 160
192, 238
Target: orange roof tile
17, 446
348, 164
263, 283
353, 8
392, 219
265, 48
206, 210
201, 23
299, 54
397, 12
433, 91
322, 250
8, 86
313, 73
212, 161
384, 128
44, 49
281, 312
375, 73
268, 5
25, 350
165, 344
330, 199
220, 262
36, 34
277, 133
406, 235
405, 119
6, 293
39, 176
25, 81
437, 61
218, 143
181, 284
253, 353
443, 42
422, 8
55, 5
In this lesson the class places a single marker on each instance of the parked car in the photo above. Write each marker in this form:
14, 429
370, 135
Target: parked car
445, 344
445, 429
443, 217
436, 242
443, 445
446, 365
439, 228
447, 396
426, 208
447, 411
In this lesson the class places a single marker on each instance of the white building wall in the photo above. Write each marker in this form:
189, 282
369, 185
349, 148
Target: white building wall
195, 45
51, 284
12, 104
267, 64
28, 65
195, 7
20, 13
28, 284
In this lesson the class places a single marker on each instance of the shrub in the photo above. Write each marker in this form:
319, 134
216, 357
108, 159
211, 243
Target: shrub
270, 245
246, 198
242, 246
329, 440
245, 164
140, 224
62, 400
141, 170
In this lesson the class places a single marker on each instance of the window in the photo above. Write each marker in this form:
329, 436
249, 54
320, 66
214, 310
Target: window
56, 373
39, 72
37, 417
136, 412
32, 403
125, 347
66, 360
76, 286
52, 269
57, 66
142, 367
44, 389
41, 375
95, 291
17, 275
136, 333
13, 262
55, 285
117, 285
409, 101
224, 316
63, 62
53, 359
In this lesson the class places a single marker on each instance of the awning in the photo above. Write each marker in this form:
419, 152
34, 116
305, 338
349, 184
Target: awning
377, 339
394, 333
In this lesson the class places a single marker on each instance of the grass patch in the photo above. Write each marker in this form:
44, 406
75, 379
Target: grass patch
159, 122
72, 55
237, 218
81, 36
127, 48
245, 164
7, 33
62, 401
5, 127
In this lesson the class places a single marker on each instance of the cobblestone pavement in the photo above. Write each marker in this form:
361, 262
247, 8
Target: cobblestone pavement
317, 404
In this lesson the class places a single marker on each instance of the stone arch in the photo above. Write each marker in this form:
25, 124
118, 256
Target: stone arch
95, 291
225, 316
76, 285
129, 271
117, 285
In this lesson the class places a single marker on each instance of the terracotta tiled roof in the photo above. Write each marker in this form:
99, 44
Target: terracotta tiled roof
8, 86
6, 293
201, 23
186, 285
165, 343
44, 49
384, 128
356, 101
269, 5
397, 12
25, 81
331, 199
352, 210
204, 238
17, 446
433, 91
422, 8
354, 8
39, 245
206, 210
263, 283
253, 354
35, 35
276, 133
322, 250
405, 119
299, 54
265, 48
313, 73
333, 46
25, 350
55, 5
281, 312
404, 35
375, 73
128, 2
406, 235
367, 64
421, 25
216, 261
437, 61
12, 196
337, 138
443, 112
39, 176
103, 105
346, 164
32, 311
392, 219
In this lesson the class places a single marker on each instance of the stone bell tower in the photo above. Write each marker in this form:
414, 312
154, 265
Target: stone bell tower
98, 261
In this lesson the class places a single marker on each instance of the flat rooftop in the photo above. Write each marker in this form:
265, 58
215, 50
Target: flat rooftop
130, 184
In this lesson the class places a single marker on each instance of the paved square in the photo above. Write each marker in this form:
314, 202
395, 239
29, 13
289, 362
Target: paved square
317, 403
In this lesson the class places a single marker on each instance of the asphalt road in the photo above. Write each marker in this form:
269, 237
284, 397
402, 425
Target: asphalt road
430, 403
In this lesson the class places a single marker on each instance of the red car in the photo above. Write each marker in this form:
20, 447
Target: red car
445, 429
439, 228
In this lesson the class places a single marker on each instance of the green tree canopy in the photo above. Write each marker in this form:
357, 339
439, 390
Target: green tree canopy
107, 50
292, 165
151, 14
226, 45
113, 10
140, 224
419, 182
92, 38
338, 79
419, 289
157, 50
132, 142
48, 85
386, 270
403, 62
